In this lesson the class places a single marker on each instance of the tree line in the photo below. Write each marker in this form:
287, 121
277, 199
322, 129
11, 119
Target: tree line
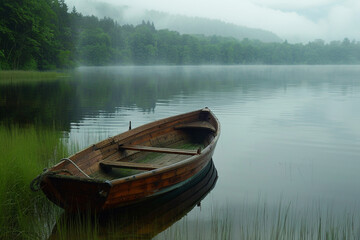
44, 34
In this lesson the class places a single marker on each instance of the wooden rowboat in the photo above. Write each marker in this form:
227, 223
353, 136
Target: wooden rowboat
134, 166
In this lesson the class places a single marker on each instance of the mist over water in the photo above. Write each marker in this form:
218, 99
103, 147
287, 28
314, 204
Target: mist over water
288, 133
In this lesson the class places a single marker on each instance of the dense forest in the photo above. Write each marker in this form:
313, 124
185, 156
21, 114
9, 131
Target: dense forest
45, 34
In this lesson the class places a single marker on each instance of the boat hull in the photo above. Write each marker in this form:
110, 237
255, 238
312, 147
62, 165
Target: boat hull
75, 192
146, 219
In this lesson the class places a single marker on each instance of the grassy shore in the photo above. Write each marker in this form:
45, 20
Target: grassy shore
24, 154
28, 76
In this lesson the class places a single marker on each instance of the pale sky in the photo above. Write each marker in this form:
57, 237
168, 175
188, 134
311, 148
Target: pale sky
292, 20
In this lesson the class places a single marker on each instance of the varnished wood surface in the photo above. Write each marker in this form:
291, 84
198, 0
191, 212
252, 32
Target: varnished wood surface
151, 217
136, 189
132, 165
160, 150
197, 124
156, 172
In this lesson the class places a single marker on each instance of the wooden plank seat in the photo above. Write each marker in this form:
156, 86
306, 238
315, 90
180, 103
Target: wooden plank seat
160, 149
198, 124
131, 165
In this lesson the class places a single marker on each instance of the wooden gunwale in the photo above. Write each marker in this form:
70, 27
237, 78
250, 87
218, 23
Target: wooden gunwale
143, 184
148, 186
140, 188
134, 193
148, 126
208, 178
131, 165
138, 182
146, 129
163, 169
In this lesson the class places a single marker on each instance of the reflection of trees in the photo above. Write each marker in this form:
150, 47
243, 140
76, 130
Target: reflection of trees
44, 103
105, 89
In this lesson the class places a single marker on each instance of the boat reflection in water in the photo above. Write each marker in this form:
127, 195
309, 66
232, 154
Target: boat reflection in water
141, 221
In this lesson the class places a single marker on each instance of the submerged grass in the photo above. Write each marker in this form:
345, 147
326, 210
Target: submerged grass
7, 77
77, 226
284, 222
24, 154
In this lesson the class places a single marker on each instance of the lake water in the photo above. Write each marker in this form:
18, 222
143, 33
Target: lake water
288, 133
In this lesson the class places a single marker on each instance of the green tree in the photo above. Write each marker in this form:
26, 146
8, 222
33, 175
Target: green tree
94, 47
143, 45
30, 33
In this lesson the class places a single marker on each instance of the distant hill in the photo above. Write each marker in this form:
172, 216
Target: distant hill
179, 23
196, 25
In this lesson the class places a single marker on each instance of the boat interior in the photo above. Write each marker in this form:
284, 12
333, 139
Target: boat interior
123, 156
130, 159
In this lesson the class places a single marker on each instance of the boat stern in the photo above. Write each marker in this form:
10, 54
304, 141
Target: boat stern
75, 193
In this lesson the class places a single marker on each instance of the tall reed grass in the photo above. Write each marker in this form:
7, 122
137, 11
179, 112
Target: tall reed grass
24, 153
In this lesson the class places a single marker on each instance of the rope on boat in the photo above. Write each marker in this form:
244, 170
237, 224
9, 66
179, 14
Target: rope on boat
68, 159
35, 183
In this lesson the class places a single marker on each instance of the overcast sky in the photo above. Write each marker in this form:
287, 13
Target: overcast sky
293, 20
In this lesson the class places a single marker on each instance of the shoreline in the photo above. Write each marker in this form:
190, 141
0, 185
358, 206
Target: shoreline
10, 76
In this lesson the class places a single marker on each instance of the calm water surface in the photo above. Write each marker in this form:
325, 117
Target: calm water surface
289, 133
